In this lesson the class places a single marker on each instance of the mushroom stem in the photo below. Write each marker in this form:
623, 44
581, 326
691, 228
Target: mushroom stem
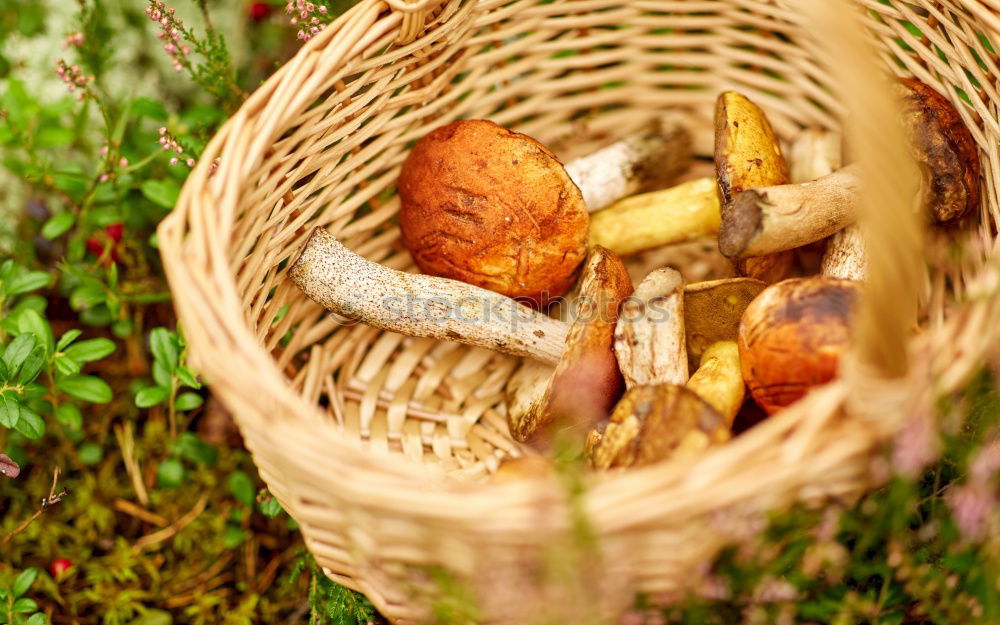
774, 219
846, 256
641, 222
648, 159
421, 305
650, 343
814, 153
719, 380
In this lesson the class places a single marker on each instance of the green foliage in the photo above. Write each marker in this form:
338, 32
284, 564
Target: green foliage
896, 556
15, 607
329, 602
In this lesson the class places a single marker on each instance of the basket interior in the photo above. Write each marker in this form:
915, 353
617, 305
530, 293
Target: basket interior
576, 75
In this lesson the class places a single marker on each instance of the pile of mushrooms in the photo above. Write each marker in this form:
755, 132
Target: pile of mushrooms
501, 230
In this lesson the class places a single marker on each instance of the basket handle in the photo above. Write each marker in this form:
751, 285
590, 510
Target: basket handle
887, 215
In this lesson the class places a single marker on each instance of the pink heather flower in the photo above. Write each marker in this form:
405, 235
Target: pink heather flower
971, 506
73, 77
103, 178
73, 39
169, 143
123, 162
171, 30
987, 462
772, 590
302, 13
916, 446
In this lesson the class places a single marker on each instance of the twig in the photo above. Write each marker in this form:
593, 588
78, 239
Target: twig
47, 502
127, 444
173, 528
129, 508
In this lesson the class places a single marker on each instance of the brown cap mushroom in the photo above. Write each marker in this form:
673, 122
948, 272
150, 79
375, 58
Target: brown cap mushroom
587, 382
792, 336
653, 423
747, 156
649, 337
780, 217
495, 208
945, 150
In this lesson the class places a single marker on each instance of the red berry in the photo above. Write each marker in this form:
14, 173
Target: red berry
259, 10
94, 246
115, 232
59, 566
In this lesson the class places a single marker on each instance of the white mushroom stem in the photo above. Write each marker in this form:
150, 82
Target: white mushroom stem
846, 256
421, 305
648, 159
650, 343
773, 219
814, 153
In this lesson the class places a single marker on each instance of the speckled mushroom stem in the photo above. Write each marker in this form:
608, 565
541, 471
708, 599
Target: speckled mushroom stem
421, 305
648, 159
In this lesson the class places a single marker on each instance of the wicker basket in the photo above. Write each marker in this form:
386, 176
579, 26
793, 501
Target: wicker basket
377, 443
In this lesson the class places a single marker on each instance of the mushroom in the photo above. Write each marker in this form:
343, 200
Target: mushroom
420, 305
687, 211
660, 419
792, 336
719, 380
586, 383
780, 217
523, 468
649, 337
495, 208
653, 423
747, 156
815, 153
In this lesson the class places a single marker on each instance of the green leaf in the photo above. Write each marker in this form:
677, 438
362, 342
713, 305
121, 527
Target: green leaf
151, 395
54, 137
36, 619
10, 409
24, 606
163, 193
91, 454
148, 107
122, 328
30, 281
188, 401
67, 338
164, 348
85, 297
91, 350
24, 582
161, 376
33, 322
233, 537
86, 387
69, 415
17, 352
241, 486
66, 365
30, 424
57, 225
170, 473
269, 506
191, 448
32, 366
187, 378
34, 302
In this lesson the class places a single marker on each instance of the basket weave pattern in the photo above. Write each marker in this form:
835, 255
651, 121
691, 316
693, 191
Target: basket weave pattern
361, 433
